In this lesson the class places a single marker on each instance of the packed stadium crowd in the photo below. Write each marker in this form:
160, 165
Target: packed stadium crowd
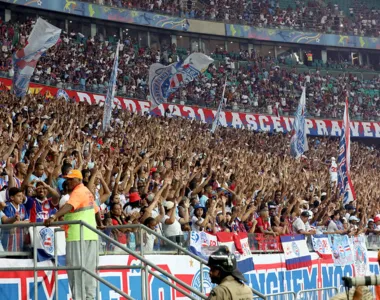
263, 85
173, 175
321, 16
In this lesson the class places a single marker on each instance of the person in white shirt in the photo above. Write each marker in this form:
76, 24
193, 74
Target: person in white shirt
302, 226
197, 221
171, 223
149, 238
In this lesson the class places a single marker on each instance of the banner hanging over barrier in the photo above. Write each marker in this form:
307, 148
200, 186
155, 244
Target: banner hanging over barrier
251, 121
270, 276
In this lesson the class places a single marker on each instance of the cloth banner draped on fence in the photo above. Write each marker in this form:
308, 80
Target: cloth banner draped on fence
321, 245
164, 80
361, 262
236, 243
341, 249
296, 252
45, 241
43, 36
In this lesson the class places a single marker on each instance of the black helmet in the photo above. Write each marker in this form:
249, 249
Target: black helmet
223, 259
226, 261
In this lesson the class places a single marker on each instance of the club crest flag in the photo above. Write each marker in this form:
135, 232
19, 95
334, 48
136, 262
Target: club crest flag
238, 244
164, 80
321, 245
361, 262
296, 252
341, 249
345, 185
201, 243
43, 36
298, 141
45, 241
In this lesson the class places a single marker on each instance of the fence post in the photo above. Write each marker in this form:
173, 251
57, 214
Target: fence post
55, 264
34, 261
143, 266
201, 278
82, 261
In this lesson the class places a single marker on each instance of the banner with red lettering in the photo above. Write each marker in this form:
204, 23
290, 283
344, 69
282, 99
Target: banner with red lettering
251, 121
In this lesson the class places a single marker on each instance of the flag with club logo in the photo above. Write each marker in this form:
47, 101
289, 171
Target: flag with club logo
46, 241
298, 141
202, 243
43, 36
341, 249
361, 261
107, 113
296, 252
321, 245
164, 80
344, 179
238, 244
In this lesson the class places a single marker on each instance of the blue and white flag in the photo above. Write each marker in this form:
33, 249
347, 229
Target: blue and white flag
298, 141
361, 261
202, 243
296, 252
43, 36
62, 94
321, 245
341, 249
111, 92
46, 241
216, 121
164, 80
345, 185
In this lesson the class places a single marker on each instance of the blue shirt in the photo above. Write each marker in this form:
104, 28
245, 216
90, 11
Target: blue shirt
39, 211
10, 211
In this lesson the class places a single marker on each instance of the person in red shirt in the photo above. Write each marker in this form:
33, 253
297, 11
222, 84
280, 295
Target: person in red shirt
263, 224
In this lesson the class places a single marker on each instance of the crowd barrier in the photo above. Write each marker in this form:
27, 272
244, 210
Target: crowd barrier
251, 121
255, 243
269, 272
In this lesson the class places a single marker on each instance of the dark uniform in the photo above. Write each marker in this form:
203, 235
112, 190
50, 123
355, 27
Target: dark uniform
231, 286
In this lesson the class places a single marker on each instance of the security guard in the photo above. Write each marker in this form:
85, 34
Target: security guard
229, 279
80, 206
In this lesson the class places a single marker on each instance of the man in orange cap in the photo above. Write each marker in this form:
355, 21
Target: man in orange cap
81, 206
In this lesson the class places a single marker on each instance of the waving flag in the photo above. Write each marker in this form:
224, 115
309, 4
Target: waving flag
164, 80
111, 92
296, 253
221, 104
298, 141
344, 179
321, 245
43, 36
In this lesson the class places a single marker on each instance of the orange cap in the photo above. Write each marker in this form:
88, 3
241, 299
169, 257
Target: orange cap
74, 174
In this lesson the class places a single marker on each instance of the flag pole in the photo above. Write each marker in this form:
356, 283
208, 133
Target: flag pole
217, 115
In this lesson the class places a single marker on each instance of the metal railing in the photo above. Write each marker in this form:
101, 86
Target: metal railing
282, 294
333, 288
145, 265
